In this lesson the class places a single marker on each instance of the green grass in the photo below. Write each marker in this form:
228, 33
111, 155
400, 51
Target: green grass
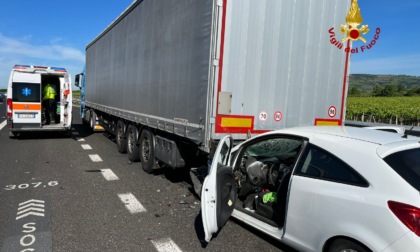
76, 94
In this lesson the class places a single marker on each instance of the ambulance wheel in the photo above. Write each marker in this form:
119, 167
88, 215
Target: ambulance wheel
147, 151
120, 138
12, 135
67, 133
133, 149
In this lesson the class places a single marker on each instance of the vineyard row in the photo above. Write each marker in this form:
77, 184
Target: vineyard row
390, 110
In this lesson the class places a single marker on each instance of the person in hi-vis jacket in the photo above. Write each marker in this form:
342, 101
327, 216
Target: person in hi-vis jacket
49, 102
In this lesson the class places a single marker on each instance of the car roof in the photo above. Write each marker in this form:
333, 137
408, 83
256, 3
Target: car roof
368, 135
390, 142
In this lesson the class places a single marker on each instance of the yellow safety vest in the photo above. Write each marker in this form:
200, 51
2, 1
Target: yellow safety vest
49, 92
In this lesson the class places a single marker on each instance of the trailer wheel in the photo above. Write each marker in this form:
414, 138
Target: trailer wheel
133, 149
86, 117
147, 151
92, 119
120, 138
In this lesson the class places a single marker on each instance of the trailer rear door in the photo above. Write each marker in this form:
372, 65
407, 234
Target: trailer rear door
277, 67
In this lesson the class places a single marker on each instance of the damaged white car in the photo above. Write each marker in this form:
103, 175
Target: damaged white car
319, 188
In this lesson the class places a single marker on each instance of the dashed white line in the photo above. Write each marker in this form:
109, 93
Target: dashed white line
109, 174
80, 139
75, 133
131, 203
3, 124
166, 245
86, 147
95, 158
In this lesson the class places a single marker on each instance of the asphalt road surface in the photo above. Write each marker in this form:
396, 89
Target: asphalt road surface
60, 193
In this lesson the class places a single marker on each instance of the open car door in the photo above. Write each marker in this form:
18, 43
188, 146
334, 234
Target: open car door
219, 190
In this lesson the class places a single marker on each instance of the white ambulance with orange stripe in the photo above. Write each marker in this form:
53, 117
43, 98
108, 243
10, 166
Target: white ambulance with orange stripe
25, 111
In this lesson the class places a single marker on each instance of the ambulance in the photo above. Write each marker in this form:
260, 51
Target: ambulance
25, 109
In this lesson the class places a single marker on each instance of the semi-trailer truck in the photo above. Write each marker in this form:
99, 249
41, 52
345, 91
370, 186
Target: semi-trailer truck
171, 78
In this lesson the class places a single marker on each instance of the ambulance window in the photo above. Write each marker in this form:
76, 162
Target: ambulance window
26, 92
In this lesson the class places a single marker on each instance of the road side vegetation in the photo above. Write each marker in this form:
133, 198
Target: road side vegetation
362, 85
392, 110
76, 94
390, 99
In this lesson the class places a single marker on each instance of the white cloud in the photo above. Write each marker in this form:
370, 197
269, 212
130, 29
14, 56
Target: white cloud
21, 51
11, 47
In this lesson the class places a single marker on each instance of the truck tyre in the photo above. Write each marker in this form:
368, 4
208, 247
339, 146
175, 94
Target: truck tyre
133, 149
147, 151
92, 119
86, 117
120, 138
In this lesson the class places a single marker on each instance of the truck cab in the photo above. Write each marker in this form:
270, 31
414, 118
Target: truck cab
26, 110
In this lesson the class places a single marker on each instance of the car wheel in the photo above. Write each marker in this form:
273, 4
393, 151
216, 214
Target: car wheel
120, 138
147, 151
345, 245
132, 144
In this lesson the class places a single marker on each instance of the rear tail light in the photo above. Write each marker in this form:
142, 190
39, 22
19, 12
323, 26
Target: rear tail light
409, 215
9, 107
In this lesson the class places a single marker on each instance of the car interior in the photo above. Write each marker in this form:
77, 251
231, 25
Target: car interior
262, 174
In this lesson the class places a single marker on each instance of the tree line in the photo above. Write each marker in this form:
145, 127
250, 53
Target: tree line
361, 85
389, 90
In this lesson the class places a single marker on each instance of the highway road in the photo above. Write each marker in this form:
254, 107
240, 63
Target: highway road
78, 193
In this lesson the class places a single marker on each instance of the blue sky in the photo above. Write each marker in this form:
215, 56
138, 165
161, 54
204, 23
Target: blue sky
55, 33
397, 51
51, 33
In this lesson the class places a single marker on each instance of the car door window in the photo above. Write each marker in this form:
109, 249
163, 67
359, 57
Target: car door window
320, 164
224, 154
407, 165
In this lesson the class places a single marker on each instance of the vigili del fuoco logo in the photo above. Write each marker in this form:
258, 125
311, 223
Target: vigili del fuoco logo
352, 31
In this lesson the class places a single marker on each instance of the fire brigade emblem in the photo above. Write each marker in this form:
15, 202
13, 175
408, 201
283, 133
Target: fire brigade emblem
353, 20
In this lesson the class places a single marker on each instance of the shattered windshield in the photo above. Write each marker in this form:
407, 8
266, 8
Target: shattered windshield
274, 147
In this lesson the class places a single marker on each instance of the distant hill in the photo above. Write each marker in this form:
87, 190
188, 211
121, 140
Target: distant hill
366, 82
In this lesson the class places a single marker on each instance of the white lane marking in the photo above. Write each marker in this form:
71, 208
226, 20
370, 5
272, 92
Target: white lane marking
131, 203
80, 139
31, 209
95, 158
86, 147
4, 123
166, 245
109, 174
31, 205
